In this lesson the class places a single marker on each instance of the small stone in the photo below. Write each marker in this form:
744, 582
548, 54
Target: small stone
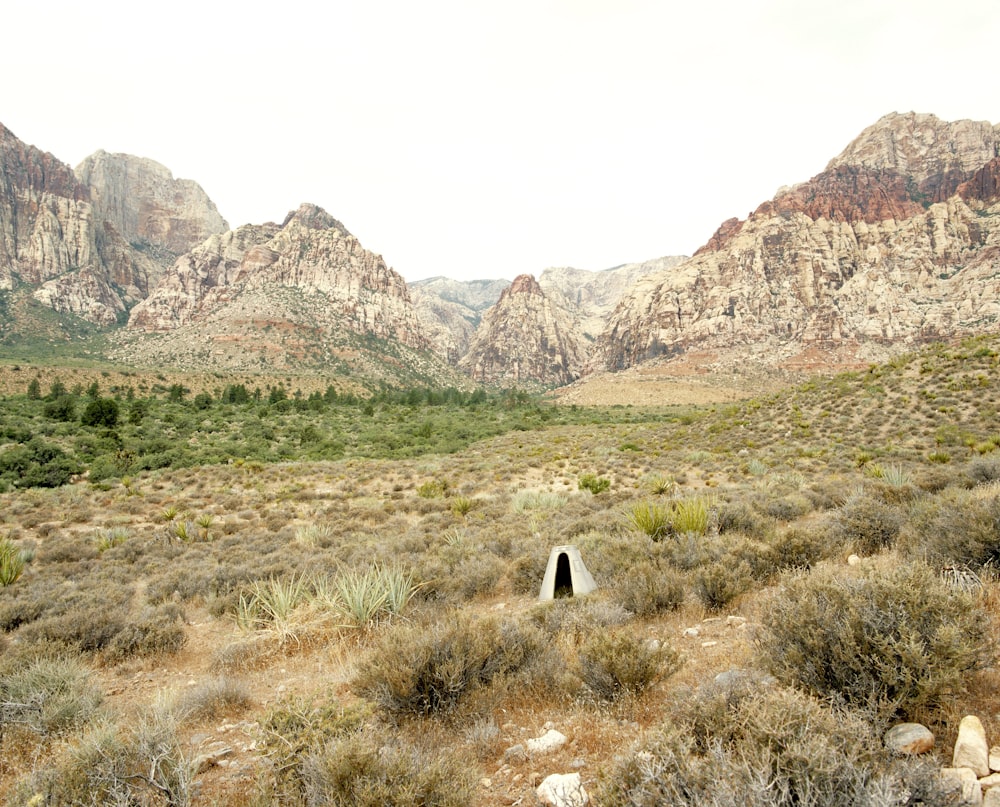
709, 644
552, 740
563, 790
971, 749
549, 725
964, 779
736, 621
690, 633
486, 783
853, 560
909, 738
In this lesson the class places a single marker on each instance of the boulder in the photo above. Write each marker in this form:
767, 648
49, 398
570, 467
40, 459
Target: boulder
552, 740
964, 778
562, 790
971, 749
909, 738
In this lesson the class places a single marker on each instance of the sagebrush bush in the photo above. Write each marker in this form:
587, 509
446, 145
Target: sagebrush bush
866, 522
890, 638
649, 588
800, 548
420, 669
766, 747
955, 528
361, 770
721, 582
615, 664
158, 630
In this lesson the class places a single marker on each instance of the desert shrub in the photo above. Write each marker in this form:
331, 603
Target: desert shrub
576, 618
365, 598
889, 638
787, 508
721, 582
419, 669
87, 630
760, 558
984, 469
769, 747
741, 517
649, 589
213, 698
526, 572
595, 484
159, 630
137, 763
361, 770
955, 527
432, 489
59, 692
617, 663
800, 548
866, 523
528, 501
294, 729
461, 505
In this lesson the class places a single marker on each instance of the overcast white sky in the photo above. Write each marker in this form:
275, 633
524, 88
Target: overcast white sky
485, 139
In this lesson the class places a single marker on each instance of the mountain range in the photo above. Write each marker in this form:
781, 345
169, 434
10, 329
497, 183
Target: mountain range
896, 242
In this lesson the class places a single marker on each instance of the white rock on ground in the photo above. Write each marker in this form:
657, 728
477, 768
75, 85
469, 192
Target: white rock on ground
995, 758
971, 749
550, 741
562, 790
992, 797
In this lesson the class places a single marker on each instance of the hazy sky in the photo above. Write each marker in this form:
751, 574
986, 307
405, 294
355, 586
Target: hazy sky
485, 139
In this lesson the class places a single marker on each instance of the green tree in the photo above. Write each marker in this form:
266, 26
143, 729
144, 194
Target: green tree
34, 390
101, 412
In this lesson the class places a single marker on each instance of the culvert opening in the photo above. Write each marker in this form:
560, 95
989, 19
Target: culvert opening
564, 576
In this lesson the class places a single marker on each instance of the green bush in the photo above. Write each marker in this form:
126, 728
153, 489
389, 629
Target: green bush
595, 484
11, 563
616, 664
891, 638
650, 518
419, 669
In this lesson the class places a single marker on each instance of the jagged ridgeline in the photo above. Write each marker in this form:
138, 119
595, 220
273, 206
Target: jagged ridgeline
893, 245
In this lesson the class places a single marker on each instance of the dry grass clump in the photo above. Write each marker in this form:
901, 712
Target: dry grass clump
890, 638
214, 698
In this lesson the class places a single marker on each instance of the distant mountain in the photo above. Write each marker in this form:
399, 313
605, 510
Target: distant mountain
58, 243
450, 311
897, 242
525, 340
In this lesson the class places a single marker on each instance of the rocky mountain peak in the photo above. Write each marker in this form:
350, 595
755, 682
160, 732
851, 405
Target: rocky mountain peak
148, 207
523, 284
313, 217
525, 340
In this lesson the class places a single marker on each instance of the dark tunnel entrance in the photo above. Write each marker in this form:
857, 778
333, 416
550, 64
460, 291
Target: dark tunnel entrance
564, 577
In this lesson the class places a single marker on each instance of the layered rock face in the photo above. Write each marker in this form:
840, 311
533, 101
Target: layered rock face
897, 241
149, 208
310, 252
54, 237
451, 310
525, 340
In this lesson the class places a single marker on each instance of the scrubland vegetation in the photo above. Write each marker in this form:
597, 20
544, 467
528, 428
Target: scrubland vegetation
323, 601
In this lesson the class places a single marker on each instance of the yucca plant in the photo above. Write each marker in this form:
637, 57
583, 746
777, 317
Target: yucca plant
690, 516
270, 605
106, 539
11, 563
650, 518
